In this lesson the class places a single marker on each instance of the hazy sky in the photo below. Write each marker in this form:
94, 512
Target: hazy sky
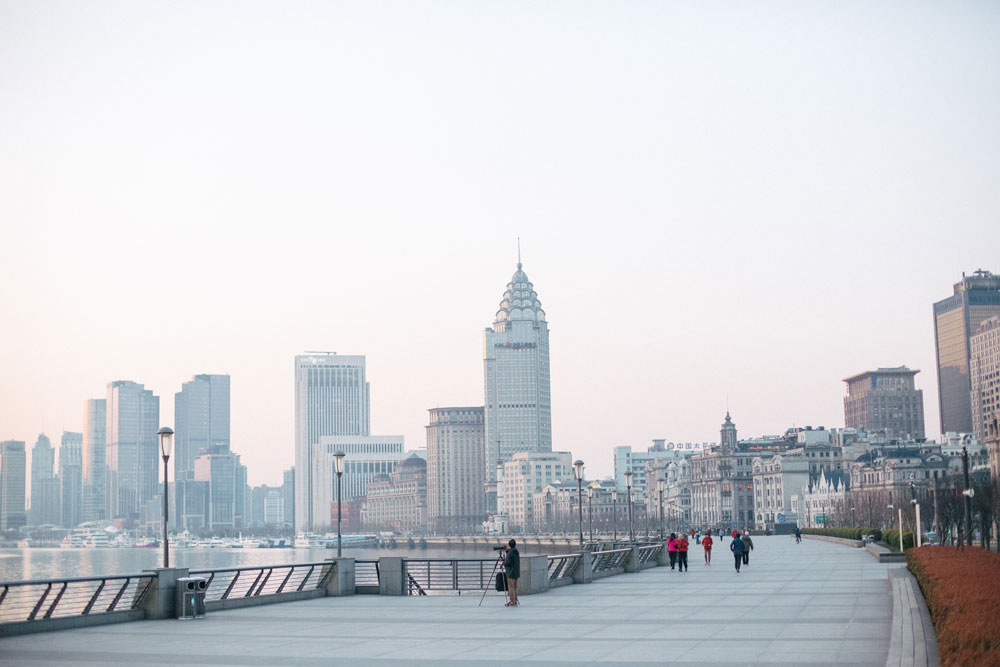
744, 199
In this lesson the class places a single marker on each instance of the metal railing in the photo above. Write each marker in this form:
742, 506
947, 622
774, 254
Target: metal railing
436, 576
562, 568
612, 559
366, 576
649, 553
78, 596
248, 582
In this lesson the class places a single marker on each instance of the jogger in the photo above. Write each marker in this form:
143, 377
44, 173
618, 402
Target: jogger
706, 543
737, 548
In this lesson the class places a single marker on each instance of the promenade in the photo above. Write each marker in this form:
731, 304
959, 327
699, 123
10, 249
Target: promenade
813, 603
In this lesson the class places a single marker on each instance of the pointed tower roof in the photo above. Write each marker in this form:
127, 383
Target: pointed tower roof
520, 301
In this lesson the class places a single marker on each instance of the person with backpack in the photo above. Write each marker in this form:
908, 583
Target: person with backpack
736, 546
672, 549
747, 548
706, 544
682, 553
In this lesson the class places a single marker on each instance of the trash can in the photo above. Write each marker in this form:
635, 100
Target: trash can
191, 597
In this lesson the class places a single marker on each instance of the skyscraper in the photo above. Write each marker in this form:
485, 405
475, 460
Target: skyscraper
956, 319
984, 373
132, 447
456, 469
71, 479
885, 400
12, 478
44, 485
201, 419
331, 398
95, 468
516, 373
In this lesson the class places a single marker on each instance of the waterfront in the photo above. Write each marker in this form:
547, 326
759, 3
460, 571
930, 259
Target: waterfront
38, 563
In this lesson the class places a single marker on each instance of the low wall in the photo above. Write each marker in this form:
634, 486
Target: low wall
913, 641
836, 540
239, 603
885, 555
71, 623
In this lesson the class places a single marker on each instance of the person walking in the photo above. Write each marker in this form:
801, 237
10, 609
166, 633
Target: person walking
672, 549
798, 534
512, 566
682, 554
706, 544
736, 546
747, 548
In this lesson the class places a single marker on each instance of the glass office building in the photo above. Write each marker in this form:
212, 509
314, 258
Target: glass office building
956, 319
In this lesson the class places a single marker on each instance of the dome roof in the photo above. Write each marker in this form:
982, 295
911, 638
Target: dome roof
414, 464
520, 300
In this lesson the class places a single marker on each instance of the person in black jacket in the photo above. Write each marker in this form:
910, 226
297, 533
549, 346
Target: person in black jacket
736, 546
512, 566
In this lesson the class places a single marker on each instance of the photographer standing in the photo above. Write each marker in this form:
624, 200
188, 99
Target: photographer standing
512, 566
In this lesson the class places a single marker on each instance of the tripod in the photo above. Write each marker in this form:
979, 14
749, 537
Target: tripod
493, 576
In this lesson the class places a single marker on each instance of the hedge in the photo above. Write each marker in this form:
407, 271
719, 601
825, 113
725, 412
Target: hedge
891, 539
846, 533
962, 590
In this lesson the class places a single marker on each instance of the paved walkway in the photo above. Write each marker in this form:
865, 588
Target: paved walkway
814, 603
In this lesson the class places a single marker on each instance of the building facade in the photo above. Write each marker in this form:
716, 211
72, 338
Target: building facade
366, 457
721, 483
133, 451
221, 470
71, 479
44, 484
660, 455
201, 420
95, 423
456, 469
518, 410
984, 374
13, 461
331, 399
885, 400
526, 474
956, 319
397, 501
775, 480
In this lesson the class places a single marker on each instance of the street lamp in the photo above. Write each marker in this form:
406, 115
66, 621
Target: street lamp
614, 513
578, 468
590, 510
660, 485
166, 447
628, 488
338, 466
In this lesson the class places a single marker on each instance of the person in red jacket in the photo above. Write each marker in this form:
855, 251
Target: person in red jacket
682, 553
706, 543
672, 549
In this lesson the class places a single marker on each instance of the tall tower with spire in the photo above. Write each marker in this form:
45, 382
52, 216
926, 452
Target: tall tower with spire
727, 435
516, 375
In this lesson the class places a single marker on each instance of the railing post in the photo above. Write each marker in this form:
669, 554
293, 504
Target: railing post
534, 575
391, 577
340, 581
632, 560
159, 599
584, 572
661, 558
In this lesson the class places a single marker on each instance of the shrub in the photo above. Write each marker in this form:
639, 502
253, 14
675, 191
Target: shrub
962, 590
891, 539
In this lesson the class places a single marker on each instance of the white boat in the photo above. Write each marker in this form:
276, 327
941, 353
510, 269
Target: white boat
71, 541
309, 541
25, 543
88, 535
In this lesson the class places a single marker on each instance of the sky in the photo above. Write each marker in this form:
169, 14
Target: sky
720, 203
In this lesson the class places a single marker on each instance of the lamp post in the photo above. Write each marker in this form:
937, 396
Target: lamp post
590, 511
628, 487
968, 493
614, 513
166, 447
578, 468
660, 484
338, 467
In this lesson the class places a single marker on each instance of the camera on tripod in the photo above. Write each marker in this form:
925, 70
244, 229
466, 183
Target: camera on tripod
499, 548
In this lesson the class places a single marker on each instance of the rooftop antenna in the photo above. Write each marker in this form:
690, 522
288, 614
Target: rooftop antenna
519, 252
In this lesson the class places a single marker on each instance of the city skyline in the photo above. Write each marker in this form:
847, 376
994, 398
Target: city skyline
713, 203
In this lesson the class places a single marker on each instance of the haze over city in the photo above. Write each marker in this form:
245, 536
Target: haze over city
716, 207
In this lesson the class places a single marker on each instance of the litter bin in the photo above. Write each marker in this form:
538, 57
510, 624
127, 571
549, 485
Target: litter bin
191, 597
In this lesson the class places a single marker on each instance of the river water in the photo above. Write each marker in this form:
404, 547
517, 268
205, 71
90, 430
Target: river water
36, 563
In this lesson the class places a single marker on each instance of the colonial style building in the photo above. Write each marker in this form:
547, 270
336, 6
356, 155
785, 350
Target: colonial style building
527, 474
721, 493
775, 481
397, 501
820, 501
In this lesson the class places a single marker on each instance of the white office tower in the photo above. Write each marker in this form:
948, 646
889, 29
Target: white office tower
95, 423
331, 398
201, 420
526, 474
133, 450
366, 457
71, 479
516, 372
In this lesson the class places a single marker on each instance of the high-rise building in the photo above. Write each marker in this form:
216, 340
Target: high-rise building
516, 374
526, 474
288, 496
366, 457
331, 399
95, 468
132, 448
13, 461
984, 372
456, 470
44, 485
956, 319
201, 420
71, 479
885, 401
219, 469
